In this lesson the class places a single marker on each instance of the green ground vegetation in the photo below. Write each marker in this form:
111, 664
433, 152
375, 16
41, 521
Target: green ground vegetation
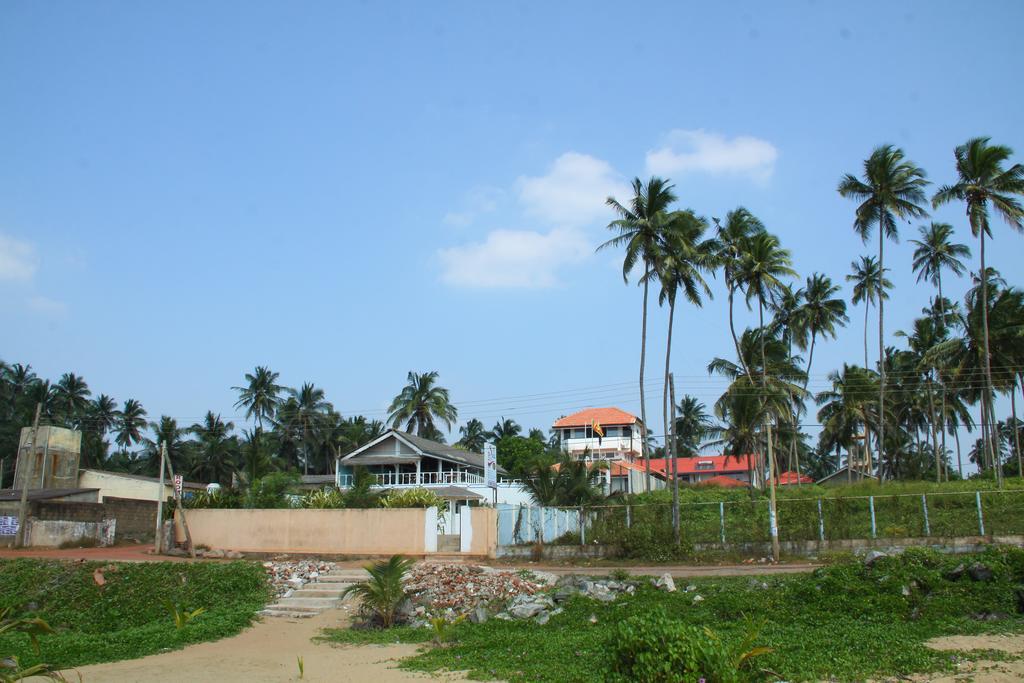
952, 511
103, 612
844, 622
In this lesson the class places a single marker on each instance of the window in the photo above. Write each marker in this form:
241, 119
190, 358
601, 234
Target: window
705, 465
579, 433
566, 434
611, 431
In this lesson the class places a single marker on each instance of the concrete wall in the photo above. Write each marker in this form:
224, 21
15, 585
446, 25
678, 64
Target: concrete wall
50, 462
342, 532
62, 533
484, 540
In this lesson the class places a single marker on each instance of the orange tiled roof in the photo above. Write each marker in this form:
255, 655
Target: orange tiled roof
790, 478
603, 416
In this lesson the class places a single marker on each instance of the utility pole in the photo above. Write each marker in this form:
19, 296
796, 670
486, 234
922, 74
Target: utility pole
676, 520
180, 509
19, 539
772, 510
158, 538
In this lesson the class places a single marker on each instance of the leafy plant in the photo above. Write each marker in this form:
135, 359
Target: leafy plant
324, 499
443, 628
382, 595
620, 574
302, 666
181, 616
33, 627
413, 498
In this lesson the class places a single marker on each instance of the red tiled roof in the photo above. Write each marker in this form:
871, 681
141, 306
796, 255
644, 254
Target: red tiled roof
791, 478
723, 481
603, 417
720, 464
619, 468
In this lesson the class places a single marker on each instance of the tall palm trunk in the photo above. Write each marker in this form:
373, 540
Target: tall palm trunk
867, 309
643, 403
1016, 430
959, 460
881, 345
942, 314
931, 424
668, 409
732, 330
772, 469
986, 427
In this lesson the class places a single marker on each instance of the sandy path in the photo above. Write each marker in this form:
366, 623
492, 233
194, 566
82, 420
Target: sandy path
981, 671
265, 652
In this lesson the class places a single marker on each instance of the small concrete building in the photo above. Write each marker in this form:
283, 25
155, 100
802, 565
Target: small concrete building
134, 486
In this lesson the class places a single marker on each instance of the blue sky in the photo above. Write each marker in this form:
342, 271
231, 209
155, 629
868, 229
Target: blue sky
347, 192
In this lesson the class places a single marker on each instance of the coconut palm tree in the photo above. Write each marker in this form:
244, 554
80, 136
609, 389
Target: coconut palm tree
166, 431
504, 427
420, 403
892, 188
694, 425
261, 394
845, 409
870, 287
71, 397
927, 333
683, 258
216, 449
640, 229
982, 181
308, 407
474, 436
131, 420
740, 225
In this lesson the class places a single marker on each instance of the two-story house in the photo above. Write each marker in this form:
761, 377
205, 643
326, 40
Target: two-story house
612, 436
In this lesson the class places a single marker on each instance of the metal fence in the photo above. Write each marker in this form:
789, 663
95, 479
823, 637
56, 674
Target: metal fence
980, 513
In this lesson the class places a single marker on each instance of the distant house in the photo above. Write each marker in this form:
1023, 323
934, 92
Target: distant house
724, 482
608, 435
703, 467
397, 459
135, 486
846, 475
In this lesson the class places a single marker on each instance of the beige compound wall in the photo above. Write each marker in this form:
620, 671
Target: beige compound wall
343, 532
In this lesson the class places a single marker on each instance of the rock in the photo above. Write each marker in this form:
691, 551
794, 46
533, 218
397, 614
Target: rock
543, 618
956, 573
214, 554
295, 583
979, 572
905, 591
175, 552
697, 598
593, 619
406, 609
989, 616
665, 583
233, 555
546, 578
567, 580
565, 593
691, 588
630, 589
525, 611
872, 557
504, 616
557, 610
479, 615
601, 592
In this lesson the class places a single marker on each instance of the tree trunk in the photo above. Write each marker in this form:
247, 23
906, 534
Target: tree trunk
668, 408
942, 314
881, 345
985, 350
676, 520
732, 331
643, 403
1016, 430
867, 309
959, 461
935, 437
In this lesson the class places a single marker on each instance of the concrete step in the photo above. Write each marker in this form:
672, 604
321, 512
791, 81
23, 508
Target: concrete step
315, 603
274, 611
316, 593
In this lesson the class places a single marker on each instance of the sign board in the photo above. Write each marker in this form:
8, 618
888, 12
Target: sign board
8, 525
179, 482
491, 465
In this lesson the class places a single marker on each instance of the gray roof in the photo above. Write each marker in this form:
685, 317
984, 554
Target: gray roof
445, 451
7, 495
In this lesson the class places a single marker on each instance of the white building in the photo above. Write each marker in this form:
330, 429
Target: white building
608, 435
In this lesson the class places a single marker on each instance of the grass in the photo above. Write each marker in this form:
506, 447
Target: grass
845, 621
126, 616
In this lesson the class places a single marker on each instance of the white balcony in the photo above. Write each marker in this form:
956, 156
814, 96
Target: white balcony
412, 479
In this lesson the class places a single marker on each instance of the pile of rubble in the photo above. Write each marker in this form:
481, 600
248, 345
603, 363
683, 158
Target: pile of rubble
458, 588
289, 576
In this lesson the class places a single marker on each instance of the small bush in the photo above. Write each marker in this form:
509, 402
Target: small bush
326, 499
413, 498
652, 647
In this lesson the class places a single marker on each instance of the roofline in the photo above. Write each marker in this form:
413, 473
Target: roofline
419, 451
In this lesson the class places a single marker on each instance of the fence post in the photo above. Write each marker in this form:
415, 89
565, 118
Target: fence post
981, 515
721, 519
583, 528
871, 504
542, 521
629, 516
821, 522
924, 507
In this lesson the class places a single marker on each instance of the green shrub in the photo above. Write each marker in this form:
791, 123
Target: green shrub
383, 593
218, 498
413, 498
325, 499
272, 491
652, 647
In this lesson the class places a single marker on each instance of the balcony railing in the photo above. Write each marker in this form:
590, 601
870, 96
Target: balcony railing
397, 479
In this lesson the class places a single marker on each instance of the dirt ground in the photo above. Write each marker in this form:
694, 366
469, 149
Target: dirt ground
265, 653
981, 671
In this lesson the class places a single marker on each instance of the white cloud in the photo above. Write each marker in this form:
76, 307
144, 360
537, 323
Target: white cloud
573, 191
478, 202
702, 151
18, 261
46, 305
513, 258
